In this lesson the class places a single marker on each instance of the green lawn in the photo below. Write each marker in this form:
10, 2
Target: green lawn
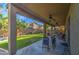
22, 41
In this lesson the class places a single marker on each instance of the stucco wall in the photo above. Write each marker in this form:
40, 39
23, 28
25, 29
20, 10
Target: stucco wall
74, 29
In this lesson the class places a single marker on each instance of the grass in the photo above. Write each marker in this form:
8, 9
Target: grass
22, 41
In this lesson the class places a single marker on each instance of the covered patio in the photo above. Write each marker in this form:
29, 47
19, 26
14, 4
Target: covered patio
50, 14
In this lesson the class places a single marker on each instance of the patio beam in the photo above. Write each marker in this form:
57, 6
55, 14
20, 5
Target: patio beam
26, 10
12, 29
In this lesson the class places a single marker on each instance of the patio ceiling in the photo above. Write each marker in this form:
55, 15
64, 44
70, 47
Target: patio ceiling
58, 10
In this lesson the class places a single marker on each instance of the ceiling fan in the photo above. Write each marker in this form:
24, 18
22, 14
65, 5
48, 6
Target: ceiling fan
51, 18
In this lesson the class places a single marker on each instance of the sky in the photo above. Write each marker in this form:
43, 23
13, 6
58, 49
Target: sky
4, 10
26, 19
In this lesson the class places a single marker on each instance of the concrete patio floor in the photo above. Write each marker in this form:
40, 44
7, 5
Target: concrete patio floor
35, 49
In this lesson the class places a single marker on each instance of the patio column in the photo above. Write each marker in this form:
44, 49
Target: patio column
44, 30
12, 29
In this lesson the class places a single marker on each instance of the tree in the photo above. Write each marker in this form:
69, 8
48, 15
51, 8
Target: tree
21, 25
3, 20
3, 26
1, 16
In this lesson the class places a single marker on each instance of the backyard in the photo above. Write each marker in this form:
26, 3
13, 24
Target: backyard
22, 41
28, 30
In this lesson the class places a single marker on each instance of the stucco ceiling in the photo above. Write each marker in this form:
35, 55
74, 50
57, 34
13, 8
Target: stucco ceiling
59, 11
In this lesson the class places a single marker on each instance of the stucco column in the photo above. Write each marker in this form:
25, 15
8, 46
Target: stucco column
74, 29
12, 29
44, 30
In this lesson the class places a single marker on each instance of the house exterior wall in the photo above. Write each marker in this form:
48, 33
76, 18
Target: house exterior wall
74, 28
